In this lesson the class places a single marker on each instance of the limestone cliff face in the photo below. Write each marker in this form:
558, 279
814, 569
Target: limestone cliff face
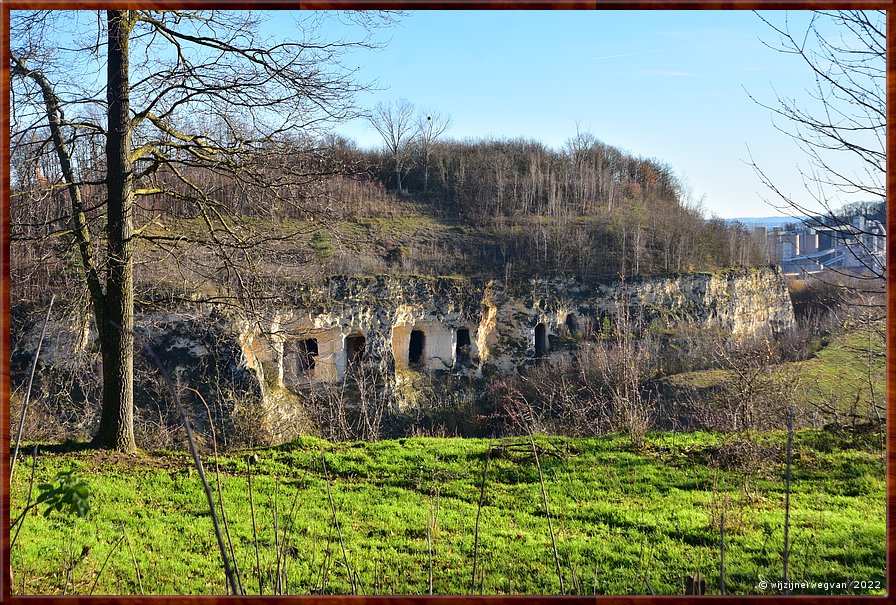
446, 324
319, 332
196, 348
399, 326
746, 303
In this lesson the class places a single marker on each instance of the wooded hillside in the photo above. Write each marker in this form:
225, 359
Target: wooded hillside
493, 207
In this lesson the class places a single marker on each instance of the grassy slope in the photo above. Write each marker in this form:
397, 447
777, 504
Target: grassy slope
840, 373
618, 515
410, 227
409, 240
843, 368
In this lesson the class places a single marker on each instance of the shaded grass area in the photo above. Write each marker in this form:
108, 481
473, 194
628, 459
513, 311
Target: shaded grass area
622, 517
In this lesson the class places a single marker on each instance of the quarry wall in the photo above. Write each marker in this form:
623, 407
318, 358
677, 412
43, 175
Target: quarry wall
465, 327
251, 367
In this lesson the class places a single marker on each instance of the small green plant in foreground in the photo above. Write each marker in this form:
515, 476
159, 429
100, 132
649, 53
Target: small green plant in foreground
68, 491
68, 494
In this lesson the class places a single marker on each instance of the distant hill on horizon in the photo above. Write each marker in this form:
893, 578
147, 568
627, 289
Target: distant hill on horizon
768, 222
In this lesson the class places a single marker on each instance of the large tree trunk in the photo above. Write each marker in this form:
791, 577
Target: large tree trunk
117, 332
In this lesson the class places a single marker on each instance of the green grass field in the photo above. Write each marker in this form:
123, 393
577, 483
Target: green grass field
624, 521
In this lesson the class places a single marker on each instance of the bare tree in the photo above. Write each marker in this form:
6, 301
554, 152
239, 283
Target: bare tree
841, 128
395, 123
188, 106
430, 126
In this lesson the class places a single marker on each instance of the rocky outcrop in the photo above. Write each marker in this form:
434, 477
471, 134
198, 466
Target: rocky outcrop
251, 366
463, 326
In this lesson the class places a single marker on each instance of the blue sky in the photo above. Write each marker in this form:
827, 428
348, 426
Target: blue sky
668, 85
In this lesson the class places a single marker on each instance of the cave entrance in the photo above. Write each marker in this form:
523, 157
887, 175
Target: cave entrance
306, 355
416, 347
462, 347
354, 350
572, 324
541, 340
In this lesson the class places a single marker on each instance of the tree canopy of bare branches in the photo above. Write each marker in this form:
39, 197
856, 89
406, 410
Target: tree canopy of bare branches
841, 126
396, 124
431, 124
126, 111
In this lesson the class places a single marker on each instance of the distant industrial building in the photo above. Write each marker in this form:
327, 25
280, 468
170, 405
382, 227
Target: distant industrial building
812, 246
